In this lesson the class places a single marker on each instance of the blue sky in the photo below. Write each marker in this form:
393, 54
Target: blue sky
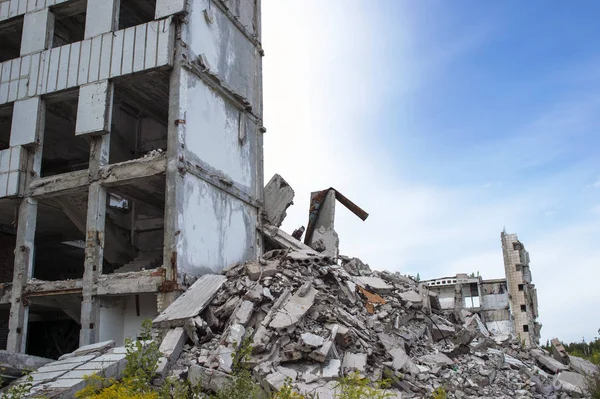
447, 121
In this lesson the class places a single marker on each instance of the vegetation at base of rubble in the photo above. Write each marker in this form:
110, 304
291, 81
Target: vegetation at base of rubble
439, 393
353, 386
287, 392
586, 350
593, 385
142, 361
18, 391
241, 385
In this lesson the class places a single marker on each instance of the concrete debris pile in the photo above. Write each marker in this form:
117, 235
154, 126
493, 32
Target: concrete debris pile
314, 320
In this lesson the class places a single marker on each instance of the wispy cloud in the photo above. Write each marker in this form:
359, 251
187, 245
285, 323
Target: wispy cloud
336, 76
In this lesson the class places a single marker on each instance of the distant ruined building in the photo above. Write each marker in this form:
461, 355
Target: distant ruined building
504, 306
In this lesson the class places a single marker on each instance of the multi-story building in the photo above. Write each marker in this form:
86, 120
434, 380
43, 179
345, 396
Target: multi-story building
130, 162
505, 306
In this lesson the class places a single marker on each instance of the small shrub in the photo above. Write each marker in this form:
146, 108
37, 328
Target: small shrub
287, 392
353, 386
241, 385
439, 393
19, 391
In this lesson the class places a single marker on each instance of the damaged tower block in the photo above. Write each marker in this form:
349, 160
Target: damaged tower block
131, 161
320, 233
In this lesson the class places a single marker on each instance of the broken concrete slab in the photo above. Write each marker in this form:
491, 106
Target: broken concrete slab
374, 283
279, 238
98, 347
257, 271
14, 365
278, 196
440, 331
243, 313
582, 366
354, 362
410, 296
331, 369
436, 359
548, 362
295, 308
572, 383
312, 340
191, 302
171, 347
402, 362
212, 380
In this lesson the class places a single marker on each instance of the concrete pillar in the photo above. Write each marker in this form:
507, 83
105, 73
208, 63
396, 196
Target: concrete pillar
101, 17
24, 248
174, 179
38, 28
19, 310
96, 212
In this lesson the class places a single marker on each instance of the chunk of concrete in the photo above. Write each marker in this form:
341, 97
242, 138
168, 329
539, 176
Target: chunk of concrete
374, 283
572, 383
441, 331
436, 359
256, 271
548, 362
354, 362
171, 347
279, 195
326, 241
402, 362
296, 307
331, 369
243, 313
98, 347
312, 340
15, 364
410, 296
583, 366
213, 380
191, 302
558, 351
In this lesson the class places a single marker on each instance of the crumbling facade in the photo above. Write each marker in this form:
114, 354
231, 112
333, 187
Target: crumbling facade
130, 162
521, 291
505, 306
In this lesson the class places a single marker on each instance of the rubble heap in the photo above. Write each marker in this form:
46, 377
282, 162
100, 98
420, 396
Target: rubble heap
313, 320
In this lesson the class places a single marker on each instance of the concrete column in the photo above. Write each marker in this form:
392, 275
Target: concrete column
174, 179
94, 238
19, 311
24, 248
101, 17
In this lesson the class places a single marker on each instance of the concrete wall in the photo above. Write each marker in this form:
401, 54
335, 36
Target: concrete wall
213, 128
217, 228
494, 301
229, 53
119, 318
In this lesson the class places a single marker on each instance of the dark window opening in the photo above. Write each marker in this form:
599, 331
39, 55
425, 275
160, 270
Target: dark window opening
136, 12
4, 315
60, 238
517, 246
69, 22
518, 268
6, 114
523, 308
525, 328
134, 229
51, 333
62, 150
140, 117
11, 33
521, 287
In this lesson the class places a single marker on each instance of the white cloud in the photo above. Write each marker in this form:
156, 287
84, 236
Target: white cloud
326, 77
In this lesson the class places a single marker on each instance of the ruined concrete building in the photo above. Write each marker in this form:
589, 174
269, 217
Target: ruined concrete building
131, 160
505, 306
